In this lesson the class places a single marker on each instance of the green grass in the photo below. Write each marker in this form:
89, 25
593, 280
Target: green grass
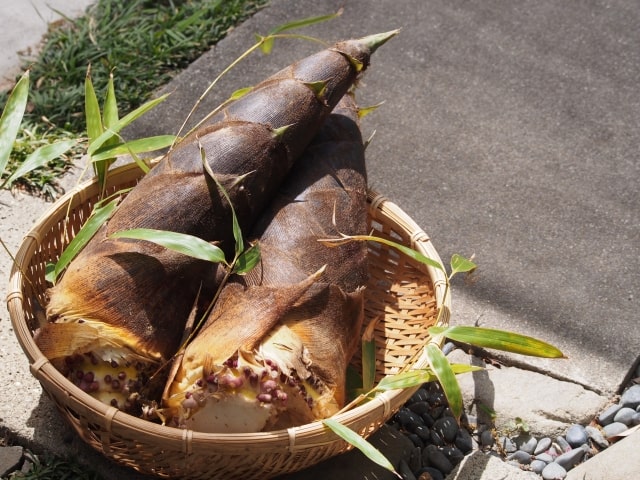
143, 42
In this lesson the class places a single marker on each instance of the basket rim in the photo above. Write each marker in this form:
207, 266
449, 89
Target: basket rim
294, 438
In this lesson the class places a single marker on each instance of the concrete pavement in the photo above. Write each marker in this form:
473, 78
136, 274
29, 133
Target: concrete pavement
510, 130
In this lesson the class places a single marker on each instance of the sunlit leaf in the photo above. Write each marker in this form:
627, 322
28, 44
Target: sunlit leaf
304, 22
110, 113
98, 217
142, 145
351, 437
417, 256
241, 92
459, 264
415, 378
247, 260
123, 122
12, 118
498, 340
38, 158
441, 367
91, 110
179, 242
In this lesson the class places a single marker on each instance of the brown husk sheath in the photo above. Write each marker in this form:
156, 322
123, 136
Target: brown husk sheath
135, 296
275, 349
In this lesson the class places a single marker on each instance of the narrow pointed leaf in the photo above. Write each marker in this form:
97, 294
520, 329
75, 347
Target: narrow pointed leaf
441, 367
123, 122
499, 340
142, 145
415, 378
304, 22
98, 217
91, 110
247, 260
241, 92
179, 242
38, 158
369, 356
351, 437
417, 256
459, 264
110, 114
12, 118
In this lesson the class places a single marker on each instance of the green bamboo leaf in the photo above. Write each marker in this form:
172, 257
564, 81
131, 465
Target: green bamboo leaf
441, 367
499, 340
91, 110
417, 256
351, 437
369, 356
237, 233
123, 122
38, 158
98, 217
247, 260
142, 145
241, 92
179, 242
110, 110
304, 22
459, 264
12, 118
415, 378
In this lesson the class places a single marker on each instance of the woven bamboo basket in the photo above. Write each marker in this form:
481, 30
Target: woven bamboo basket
403, 296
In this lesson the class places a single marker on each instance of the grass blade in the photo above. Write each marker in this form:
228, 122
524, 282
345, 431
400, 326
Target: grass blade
142, 145
12, 118
499, 340
304, 22
351, 437
179, 242
441, 367
91, 110
98, 217
38, 158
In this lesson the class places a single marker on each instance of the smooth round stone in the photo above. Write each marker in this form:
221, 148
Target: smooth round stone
454, 454
545, 457
447, 428
421, 395
553, 471
624, 415
630, 397
416, 440
526, 443
486, 439
571, 458
537, 466
436, 439
507, 445
576, 435
405, 472
542, 446
635, 420
434, 474
408, 420
464, 441
419, 407
606, 417
437, 398
428, 419
448, 347
423, 432
433, 457
596, 436
415, 459
563, 444
520, 456
613, 429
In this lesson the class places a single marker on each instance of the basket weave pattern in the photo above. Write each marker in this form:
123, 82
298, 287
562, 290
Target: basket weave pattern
402, 297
